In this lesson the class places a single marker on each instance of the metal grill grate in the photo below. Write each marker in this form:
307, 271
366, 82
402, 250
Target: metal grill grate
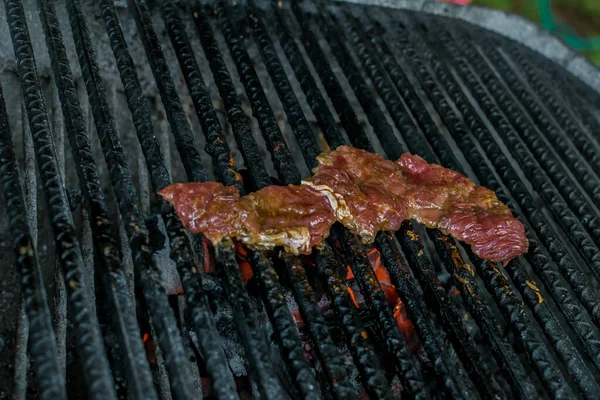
314, 76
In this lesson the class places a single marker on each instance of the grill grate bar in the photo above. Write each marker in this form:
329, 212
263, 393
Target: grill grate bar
239, 121
293, 110
244, 316
314, 98
364, 357
513, 310
500, 288
277, 309
443, 371
554, 281
280, 153
160, 311
574, 275
567, 88
400, 115
408, 290
470, 355
511, 366
216, 144
537, 255
317, 328
532, 137
88, 337
302, 291
283, 321
576, 137
375, 115
410, 375
138, 371
326, 270
558, 337
180, 127
181, 251
334, 90
359, 261
42, 341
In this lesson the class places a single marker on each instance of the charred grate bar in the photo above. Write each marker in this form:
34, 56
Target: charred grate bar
368, 365
89, 341
302, 291
43, 349
513, 304
302, 327
139, 377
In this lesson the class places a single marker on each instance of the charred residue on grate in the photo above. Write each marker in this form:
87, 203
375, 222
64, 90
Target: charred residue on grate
251, 85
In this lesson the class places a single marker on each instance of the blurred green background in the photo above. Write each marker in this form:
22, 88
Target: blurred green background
578, 19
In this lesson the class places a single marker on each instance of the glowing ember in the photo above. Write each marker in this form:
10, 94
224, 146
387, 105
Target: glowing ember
298, 318
382, 276
404, 323
349, 274
351, 293
245, 268
149, 344
406, 326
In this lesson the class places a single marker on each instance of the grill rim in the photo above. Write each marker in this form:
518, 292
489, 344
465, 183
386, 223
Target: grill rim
533, 36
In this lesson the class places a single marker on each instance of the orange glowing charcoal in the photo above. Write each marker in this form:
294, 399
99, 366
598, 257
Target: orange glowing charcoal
349, 273
241, 250
353, 297
298, 318
149, 348
246, 271
406, 326
243, 263
382, 276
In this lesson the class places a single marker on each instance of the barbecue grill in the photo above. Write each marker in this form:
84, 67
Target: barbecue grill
106, 295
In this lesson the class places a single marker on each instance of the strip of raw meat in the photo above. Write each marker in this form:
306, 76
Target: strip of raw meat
375, 194
295, 217
363, 191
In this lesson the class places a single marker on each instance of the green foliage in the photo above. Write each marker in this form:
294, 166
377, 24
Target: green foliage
529, 9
